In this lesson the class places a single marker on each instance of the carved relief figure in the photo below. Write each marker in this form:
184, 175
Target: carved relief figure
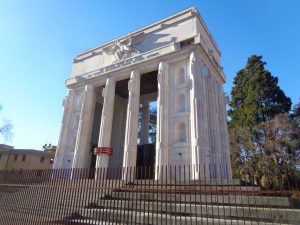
123, 49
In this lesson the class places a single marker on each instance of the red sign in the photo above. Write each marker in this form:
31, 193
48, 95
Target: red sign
101, 150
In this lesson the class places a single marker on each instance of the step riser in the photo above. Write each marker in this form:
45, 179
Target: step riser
132, 217
210, 210
193, 197
203, 198
207, 199
187, 188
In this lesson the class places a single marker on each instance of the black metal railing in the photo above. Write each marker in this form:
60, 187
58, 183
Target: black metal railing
120, 196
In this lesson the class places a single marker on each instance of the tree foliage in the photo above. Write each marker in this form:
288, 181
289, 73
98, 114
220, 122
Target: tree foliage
256, 96
152, 123
270, 154
264, 138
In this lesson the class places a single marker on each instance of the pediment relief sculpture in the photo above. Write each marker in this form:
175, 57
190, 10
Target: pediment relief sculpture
125, 48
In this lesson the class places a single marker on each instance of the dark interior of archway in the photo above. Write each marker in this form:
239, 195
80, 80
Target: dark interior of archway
148, 84
145, 152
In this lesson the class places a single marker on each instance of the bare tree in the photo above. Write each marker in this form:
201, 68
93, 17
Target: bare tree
5, 129
269, 155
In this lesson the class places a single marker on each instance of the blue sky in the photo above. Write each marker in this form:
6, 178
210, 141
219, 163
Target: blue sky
39, 39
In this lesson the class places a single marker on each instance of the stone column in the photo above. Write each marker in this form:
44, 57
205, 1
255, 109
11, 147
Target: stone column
145, 123
131, 133
162, 125
199, 120
82, 146
225, 151
108, 94
64, 130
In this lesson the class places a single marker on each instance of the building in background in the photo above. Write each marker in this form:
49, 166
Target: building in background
16, 159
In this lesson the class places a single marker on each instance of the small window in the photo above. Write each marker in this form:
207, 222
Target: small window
42, 159
23, 157
16, 157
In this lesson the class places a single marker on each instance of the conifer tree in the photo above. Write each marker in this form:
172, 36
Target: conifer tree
256, 96
258, 109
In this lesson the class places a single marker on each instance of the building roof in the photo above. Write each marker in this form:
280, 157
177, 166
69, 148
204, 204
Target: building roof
5, 147
10, 149
30, 152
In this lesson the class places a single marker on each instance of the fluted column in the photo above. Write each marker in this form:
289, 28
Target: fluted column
81, 157
131, 134
199, 120
145, 122
225, 151
108, 94
64, 130
162, 126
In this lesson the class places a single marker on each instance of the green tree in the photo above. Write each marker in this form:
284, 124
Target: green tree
262, 135
152, 123
256, 96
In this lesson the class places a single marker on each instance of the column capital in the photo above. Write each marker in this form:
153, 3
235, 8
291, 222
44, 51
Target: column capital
88, 87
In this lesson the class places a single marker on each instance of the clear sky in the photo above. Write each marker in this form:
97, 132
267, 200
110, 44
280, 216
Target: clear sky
39, 39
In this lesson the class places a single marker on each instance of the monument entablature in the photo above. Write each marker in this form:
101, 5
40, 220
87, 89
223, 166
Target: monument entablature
172, 65
167, 53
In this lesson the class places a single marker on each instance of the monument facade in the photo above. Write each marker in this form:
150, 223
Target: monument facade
174, 64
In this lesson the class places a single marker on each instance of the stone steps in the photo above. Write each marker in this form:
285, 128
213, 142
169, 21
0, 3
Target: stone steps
143, 203
233, 199
128, 204
146, 218
259, 213
238, 199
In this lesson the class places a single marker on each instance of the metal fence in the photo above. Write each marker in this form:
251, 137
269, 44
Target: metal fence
133, 196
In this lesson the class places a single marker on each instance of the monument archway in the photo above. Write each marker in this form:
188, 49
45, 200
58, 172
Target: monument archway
175, 62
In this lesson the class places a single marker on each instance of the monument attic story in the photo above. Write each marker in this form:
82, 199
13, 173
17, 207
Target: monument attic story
151, 28
174, 62
102, 60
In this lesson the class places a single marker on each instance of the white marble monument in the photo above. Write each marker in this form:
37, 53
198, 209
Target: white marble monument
174, 62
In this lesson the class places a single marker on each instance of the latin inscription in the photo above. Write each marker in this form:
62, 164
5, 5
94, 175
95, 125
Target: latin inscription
119, 65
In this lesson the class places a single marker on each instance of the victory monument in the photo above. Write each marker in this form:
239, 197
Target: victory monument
173, 64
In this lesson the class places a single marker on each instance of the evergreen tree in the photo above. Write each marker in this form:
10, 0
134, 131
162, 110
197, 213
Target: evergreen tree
262, 136
256, 96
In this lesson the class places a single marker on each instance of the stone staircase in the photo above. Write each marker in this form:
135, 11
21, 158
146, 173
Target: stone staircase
143, 202
212, 202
